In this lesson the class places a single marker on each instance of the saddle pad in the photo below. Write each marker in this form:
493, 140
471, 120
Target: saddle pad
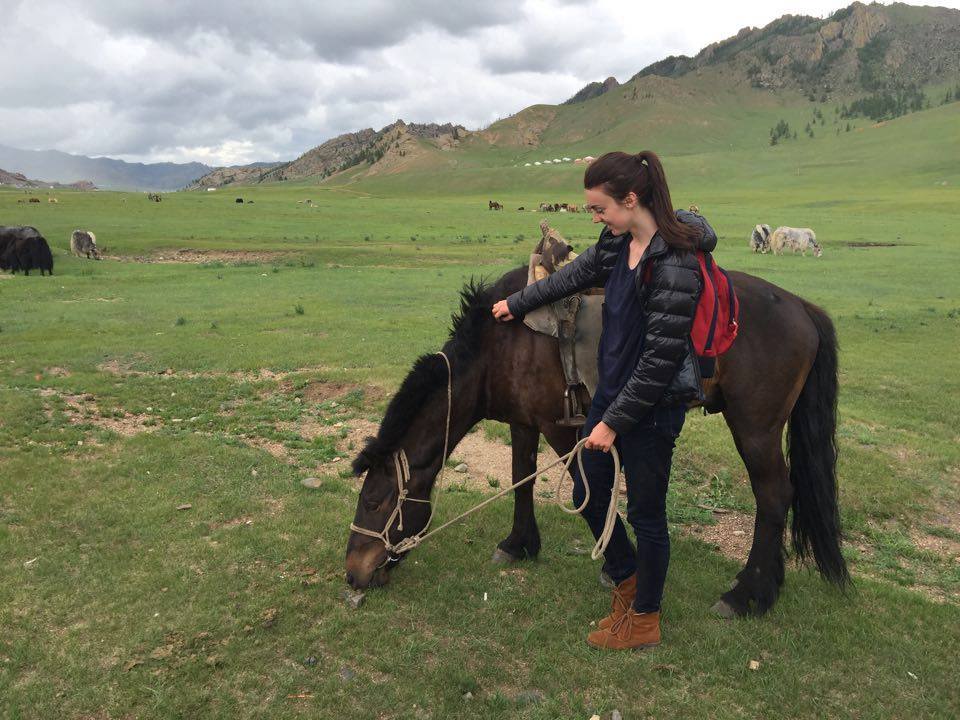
587, 337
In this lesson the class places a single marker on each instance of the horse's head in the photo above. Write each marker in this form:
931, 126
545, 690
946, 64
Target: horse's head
368, 558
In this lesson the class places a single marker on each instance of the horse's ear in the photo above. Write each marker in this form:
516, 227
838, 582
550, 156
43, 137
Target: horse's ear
365, 460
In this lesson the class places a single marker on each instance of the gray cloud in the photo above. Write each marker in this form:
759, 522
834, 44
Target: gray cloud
294, 28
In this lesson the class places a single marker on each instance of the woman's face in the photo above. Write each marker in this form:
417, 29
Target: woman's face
615, 215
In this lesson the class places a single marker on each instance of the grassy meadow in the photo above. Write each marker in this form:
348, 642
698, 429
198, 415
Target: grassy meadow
137, 385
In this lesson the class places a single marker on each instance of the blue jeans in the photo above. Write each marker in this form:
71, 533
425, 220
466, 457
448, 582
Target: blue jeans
646, 453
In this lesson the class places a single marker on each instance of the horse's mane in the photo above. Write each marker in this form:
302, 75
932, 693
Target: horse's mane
429, 374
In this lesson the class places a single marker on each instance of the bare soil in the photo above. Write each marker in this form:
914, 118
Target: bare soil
188, 255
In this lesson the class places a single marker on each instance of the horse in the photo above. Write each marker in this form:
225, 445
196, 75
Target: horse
780, 373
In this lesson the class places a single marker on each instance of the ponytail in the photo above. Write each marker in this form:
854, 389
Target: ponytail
620, 174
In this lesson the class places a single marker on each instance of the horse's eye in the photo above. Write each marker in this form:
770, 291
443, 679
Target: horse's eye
370, 504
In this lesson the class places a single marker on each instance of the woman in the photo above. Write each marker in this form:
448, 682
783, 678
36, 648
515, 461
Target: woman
647, 371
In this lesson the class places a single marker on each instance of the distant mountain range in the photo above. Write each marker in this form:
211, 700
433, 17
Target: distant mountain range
19, 180
106, 173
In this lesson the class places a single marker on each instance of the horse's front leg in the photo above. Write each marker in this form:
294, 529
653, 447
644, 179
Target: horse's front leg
524, 539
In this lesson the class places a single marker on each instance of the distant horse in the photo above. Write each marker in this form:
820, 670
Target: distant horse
781, 371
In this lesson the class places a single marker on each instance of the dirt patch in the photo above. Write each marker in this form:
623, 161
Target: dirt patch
121, 368
318, 392
947, 517
488, 462
943, 546
197, 257
277, 449
83, 410
731, 535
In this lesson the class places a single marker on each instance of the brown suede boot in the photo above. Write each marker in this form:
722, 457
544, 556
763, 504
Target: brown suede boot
631, 631
622, 599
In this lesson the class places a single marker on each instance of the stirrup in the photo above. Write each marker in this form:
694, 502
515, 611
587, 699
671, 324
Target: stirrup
572, 415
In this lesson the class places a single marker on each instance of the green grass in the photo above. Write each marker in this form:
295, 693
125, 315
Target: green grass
113, 603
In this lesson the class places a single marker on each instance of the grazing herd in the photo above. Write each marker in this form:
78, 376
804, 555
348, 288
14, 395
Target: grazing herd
23, 248
544, 207
796, 240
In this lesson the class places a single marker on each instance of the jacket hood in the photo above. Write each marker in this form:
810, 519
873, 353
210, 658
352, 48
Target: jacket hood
708, 238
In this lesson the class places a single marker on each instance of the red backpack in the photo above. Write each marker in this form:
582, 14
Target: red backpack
715, 322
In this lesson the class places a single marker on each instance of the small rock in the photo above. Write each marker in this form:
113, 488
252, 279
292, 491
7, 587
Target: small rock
754, 665
254, 473
310, 661
337, 459
347, 674
594, 717
615, 715
352, 598
468, 695
462, 467
185, 506
739, 532
311, 482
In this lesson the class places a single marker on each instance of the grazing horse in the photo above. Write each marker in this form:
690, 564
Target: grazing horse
781, 372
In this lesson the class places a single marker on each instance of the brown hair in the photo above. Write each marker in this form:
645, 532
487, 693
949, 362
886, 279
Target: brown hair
619, 173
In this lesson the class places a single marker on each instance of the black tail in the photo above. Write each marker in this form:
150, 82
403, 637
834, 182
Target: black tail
812, 448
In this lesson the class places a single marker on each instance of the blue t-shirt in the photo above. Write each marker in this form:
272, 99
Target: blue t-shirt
621, 341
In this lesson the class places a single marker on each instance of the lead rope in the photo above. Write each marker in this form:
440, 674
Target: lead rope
403, 479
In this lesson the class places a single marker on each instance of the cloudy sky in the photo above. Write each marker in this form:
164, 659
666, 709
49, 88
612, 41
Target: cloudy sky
233, 82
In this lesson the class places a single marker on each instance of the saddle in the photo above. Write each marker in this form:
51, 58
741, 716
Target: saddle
576, 322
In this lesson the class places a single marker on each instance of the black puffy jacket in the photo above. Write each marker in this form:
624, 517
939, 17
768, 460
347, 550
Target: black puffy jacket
667, 372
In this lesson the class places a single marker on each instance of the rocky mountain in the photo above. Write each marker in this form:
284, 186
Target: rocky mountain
858, 48
390, 149
19, 180
235, 174
592, 90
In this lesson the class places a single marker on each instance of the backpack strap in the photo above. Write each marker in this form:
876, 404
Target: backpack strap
708, 276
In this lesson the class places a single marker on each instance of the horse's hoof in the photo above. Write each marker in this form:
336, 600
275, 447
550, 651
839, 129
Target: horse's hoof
502, 557
606, 580
724, 610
